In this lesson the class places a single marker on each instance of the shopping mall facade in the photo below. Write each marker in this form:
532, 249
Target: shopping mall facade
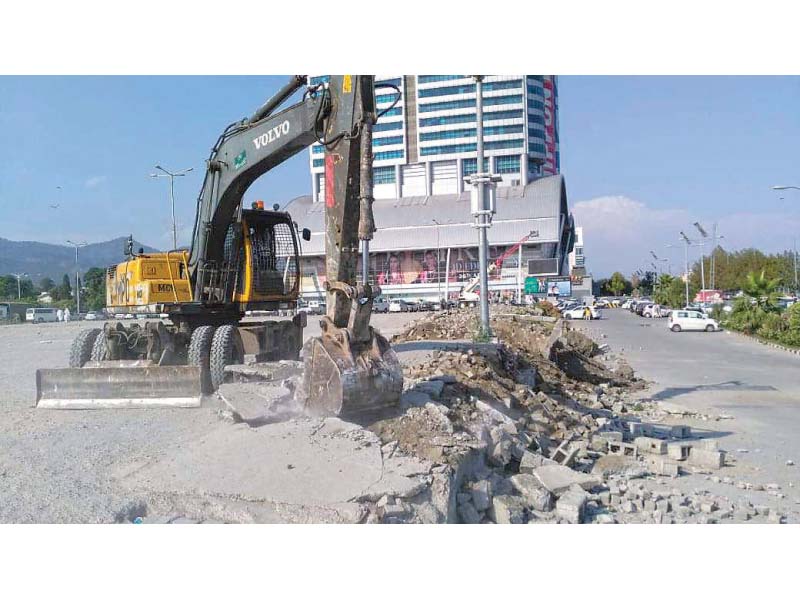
425, 247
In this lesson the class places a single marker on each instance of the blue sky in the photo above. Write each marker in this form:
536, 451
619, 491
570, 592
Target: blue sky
643, 157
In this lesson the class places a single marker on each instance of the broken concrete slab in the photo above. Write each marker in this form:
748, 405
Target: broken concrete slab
623, 466
531, 461
507, 510
650, 445
537, 496
558, 479
571, 505
707, 459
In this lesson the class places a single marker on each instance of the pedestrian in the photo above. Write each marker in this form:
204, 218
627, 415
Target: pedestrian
66, 315
60, 315
587, 313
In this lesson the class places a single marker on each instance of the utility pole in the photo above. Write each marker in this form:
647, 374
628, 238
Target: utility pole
172, 177
438, 262
482, 207
702, 255
77, 276
19, 277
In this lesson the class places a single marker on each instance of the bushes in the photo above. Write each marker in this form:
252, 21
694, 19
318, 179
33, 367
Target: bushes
783, 328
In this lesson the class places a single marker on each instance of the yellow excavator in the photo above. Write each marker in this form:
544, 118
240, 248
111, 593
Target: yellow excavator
247, 259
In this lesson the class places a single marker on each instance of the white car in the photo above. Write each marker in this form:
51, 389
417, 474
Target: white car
396, 306
380, 305
691, 320
91, 316
577, 312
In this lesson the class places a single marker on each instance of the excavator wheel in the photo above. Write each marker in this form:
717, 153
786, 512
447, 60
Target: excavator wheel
199, 353
100, 348
226, 349
81, 350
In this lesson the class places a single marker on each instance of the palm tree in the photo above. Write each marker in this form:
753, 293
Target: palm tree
762, 292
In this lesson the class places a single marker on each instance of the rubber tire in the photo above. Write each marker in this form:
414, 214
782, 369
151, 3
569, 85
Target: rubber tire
80, 352
676, 328
709, 328
100, 348
226, 349
199, 354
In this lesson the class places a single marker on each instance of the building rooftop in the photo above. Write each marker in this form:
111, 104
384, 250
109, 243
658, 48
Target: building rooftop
408, 223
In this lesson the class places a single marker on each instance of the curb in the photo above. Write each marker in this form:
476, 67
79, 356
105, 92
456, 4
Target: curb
764, 342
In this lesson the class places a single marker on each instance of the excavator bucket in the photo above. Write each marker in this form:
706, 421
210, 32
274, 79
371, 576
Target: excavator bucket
127, 384
342, 382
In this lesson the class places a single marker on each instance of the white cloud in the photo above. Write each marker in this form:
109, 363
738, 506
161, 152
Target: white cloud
620, 232
93, 182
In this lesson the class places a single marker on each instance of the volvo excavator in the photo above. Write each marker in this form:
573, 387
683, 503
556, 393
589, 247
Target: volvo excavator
244, 259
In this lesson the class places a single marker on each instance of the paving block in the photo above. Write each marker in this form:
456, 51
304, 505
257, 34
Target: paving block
650, 445
678, 451
611, 436
565, 454
707, 459
662, 465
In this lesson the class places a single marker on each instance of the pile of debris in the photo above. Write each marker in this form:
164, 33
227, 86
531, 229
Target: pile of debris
541, 426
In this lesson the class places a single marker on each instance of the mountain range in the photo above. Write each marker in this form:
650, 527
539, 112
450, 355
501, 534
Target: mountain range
41, 260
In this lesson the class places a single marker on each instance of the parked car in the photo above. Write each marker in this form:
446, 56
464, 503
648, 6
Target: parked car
640, 306
576, 312
627, 304
691, 320
396, 306
380, 305
652, 311
92, 316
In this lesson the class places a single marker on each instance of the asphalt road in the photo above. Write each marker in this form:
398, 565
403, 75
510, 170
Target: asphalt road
720, 373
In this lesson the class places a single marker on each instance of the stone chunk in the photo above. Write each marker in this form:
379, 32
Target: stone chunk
558, 479
571, 505
681, 432
661, 465
650, 445
533, 492
613, 464
564, 454
678, 451
707, 459
432, 387
507, 510
468, 514
413, 398
532, 460
481, 495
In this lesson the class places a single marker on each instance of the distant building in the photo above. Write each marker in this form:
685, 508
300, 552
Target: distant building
45, 298
426, 246
426, 144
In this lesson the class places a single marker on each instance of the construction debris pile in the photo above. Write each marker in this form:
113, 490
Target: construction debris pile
541, 427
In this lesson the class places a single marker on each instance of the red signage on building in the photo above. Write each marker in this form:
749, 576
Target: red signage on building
549, 126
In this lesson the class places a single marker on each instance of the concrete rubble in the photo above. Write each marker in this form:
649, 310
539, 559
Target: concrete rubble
541, 425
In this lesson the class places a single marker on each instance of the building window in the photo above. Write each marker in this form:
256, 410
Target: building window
537, 133
452, 105
494, 101
459, 133
503, 144
387, 141
537, 104
383, 175
389, 154
507, 164
434, 78
536, 119
469, 165
319, 79
458, 148
317, 149
391, 126
470, 118
393, 112
502, 85
539, 78
447, 91
538, 148
318, 162
535, 89
386, 98
394, 81
502, 114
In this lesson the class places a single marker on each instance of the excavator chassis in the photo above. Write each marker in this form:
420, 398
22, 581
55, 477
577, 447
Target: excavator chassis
160, 365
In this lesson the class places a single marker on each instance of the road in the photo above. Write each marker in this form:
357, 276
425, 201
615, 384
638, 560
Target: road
720, 373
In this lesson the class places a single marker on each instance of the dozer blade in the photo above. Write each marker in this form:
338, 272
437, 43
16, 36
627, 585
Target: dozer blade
119, 387
338, 381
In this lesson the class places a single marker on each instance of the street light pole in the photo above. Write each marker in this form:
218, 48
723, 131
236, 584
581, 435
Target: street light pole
19, 277
438, 262
172, 177
702, 255
77, 275
483, 251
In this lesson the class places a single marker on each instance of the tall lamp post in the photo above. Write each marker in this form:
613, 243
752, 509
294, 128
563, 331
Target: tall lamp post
791, 187
172, 177
77, 274
19, 277
438, 262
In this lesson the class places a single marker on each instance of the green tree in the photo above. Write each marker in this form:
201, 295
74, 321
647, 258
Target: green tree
46, 284
750, 311
94, 289
617, 284
64, 291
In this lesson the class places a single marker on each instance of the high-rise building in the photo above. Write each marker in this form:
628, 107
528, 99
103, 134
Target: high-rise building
424, 143
577, 260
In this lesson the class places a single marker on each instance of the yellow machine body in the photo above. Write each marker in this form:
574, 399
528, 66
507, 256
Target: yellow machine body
147, 279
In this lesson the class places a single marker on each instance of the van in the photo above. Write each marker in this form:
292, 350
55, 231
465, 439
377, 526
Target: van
691, 320
41, 315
